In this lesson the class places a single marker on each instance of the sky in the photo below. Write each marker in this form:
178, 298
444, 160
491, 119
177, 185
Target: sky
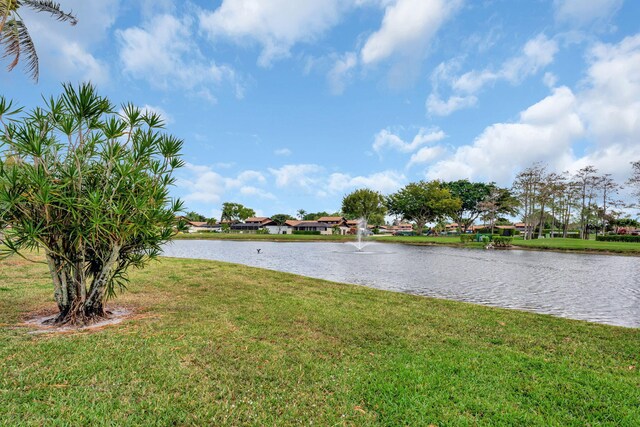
286, 105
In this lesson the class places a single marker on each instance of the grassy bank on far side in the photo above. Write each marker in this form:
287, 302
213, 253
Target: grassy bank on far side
223, 344
556, 244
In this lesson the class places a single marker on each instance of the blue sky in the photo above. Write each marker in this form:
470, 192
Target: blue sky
287, 105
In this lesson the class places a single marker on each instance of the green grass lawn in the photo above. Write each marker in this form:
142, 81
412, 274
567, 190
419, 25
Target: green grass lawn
560, 244
580, 245
223, 344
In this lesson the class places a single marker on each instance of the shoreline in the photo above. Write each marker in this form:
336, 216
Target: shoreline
635, 251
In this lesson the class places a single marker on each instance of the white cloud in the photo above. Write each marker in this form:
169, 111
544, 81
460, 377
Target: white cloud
65, 51
545, 132
597, 125
302, 175
204, 185
536, 54
407, 28
580, 13
276, 25
283, 152
164, 53
385, 182
436, 105
611, 101
386, 139
550, 80
256, 192
341, 72
426, 155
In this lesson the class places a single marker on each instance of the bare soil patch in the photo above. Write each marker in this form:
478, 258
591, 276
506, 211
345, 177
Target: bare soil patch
39, 321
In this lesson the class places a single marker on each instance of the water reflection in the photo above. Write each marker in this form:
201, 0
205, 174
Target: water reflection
597, 288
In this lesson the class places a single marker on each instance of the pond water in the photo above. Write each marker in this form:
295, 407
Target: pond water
597, 288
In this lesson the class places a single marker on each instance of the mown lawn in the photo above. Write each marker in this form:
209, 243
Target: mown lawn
579, 245
559, 244
223, 344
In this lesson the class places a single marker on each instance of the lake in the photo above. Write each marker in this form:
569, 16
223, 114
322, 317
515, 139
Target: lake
597, 288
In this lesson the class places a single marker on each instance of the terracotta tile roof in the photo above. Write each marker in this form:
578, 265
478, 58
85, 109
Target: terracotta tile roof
330, 219
197, 223
257, 219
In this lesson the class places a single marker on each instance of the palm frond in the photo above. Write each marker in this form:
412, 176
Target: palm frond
29, 50
16, 41
10, 42
52, 8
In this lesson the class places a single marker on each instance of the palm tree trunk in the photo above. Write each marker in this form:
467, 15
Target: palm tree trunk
77, 305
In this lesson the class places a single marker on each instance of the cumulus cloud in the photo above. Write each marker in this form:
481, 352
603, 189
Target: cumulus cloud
595, 125
426, 155
580, 13
440, 107
544, 132
67, 50
203, 184
407, 28
301, 175
257, 192
385, 139
314, 180
276, 25
536, 54
163, 52
283, 152
385, 182
611, 101
341, 72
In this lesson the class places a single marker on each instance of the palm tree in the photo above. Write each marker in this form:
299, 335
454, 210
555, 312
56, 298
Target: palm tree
14, 37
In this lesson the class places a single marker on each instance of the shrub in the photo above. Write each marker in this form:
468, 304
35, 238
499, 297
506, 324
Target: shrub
89, 186
502, 241
466, 238
309, 233
619, 238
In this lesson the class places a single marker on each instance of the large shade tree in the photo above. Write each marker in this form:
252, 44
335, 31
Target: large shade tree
471, 194
234, 212
89, 187
14, 36
423, 202
364, 203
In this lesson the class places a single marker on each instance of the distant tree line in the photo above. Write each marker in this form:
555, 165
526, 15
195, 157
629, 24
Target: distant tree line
546, 202
586, 200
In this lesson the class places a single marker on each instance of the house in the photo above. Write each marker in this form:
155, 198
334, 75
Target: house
286, 228
338, 221
333, 220
322, 227
400, 228
258, 220
453, 227
199, 226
